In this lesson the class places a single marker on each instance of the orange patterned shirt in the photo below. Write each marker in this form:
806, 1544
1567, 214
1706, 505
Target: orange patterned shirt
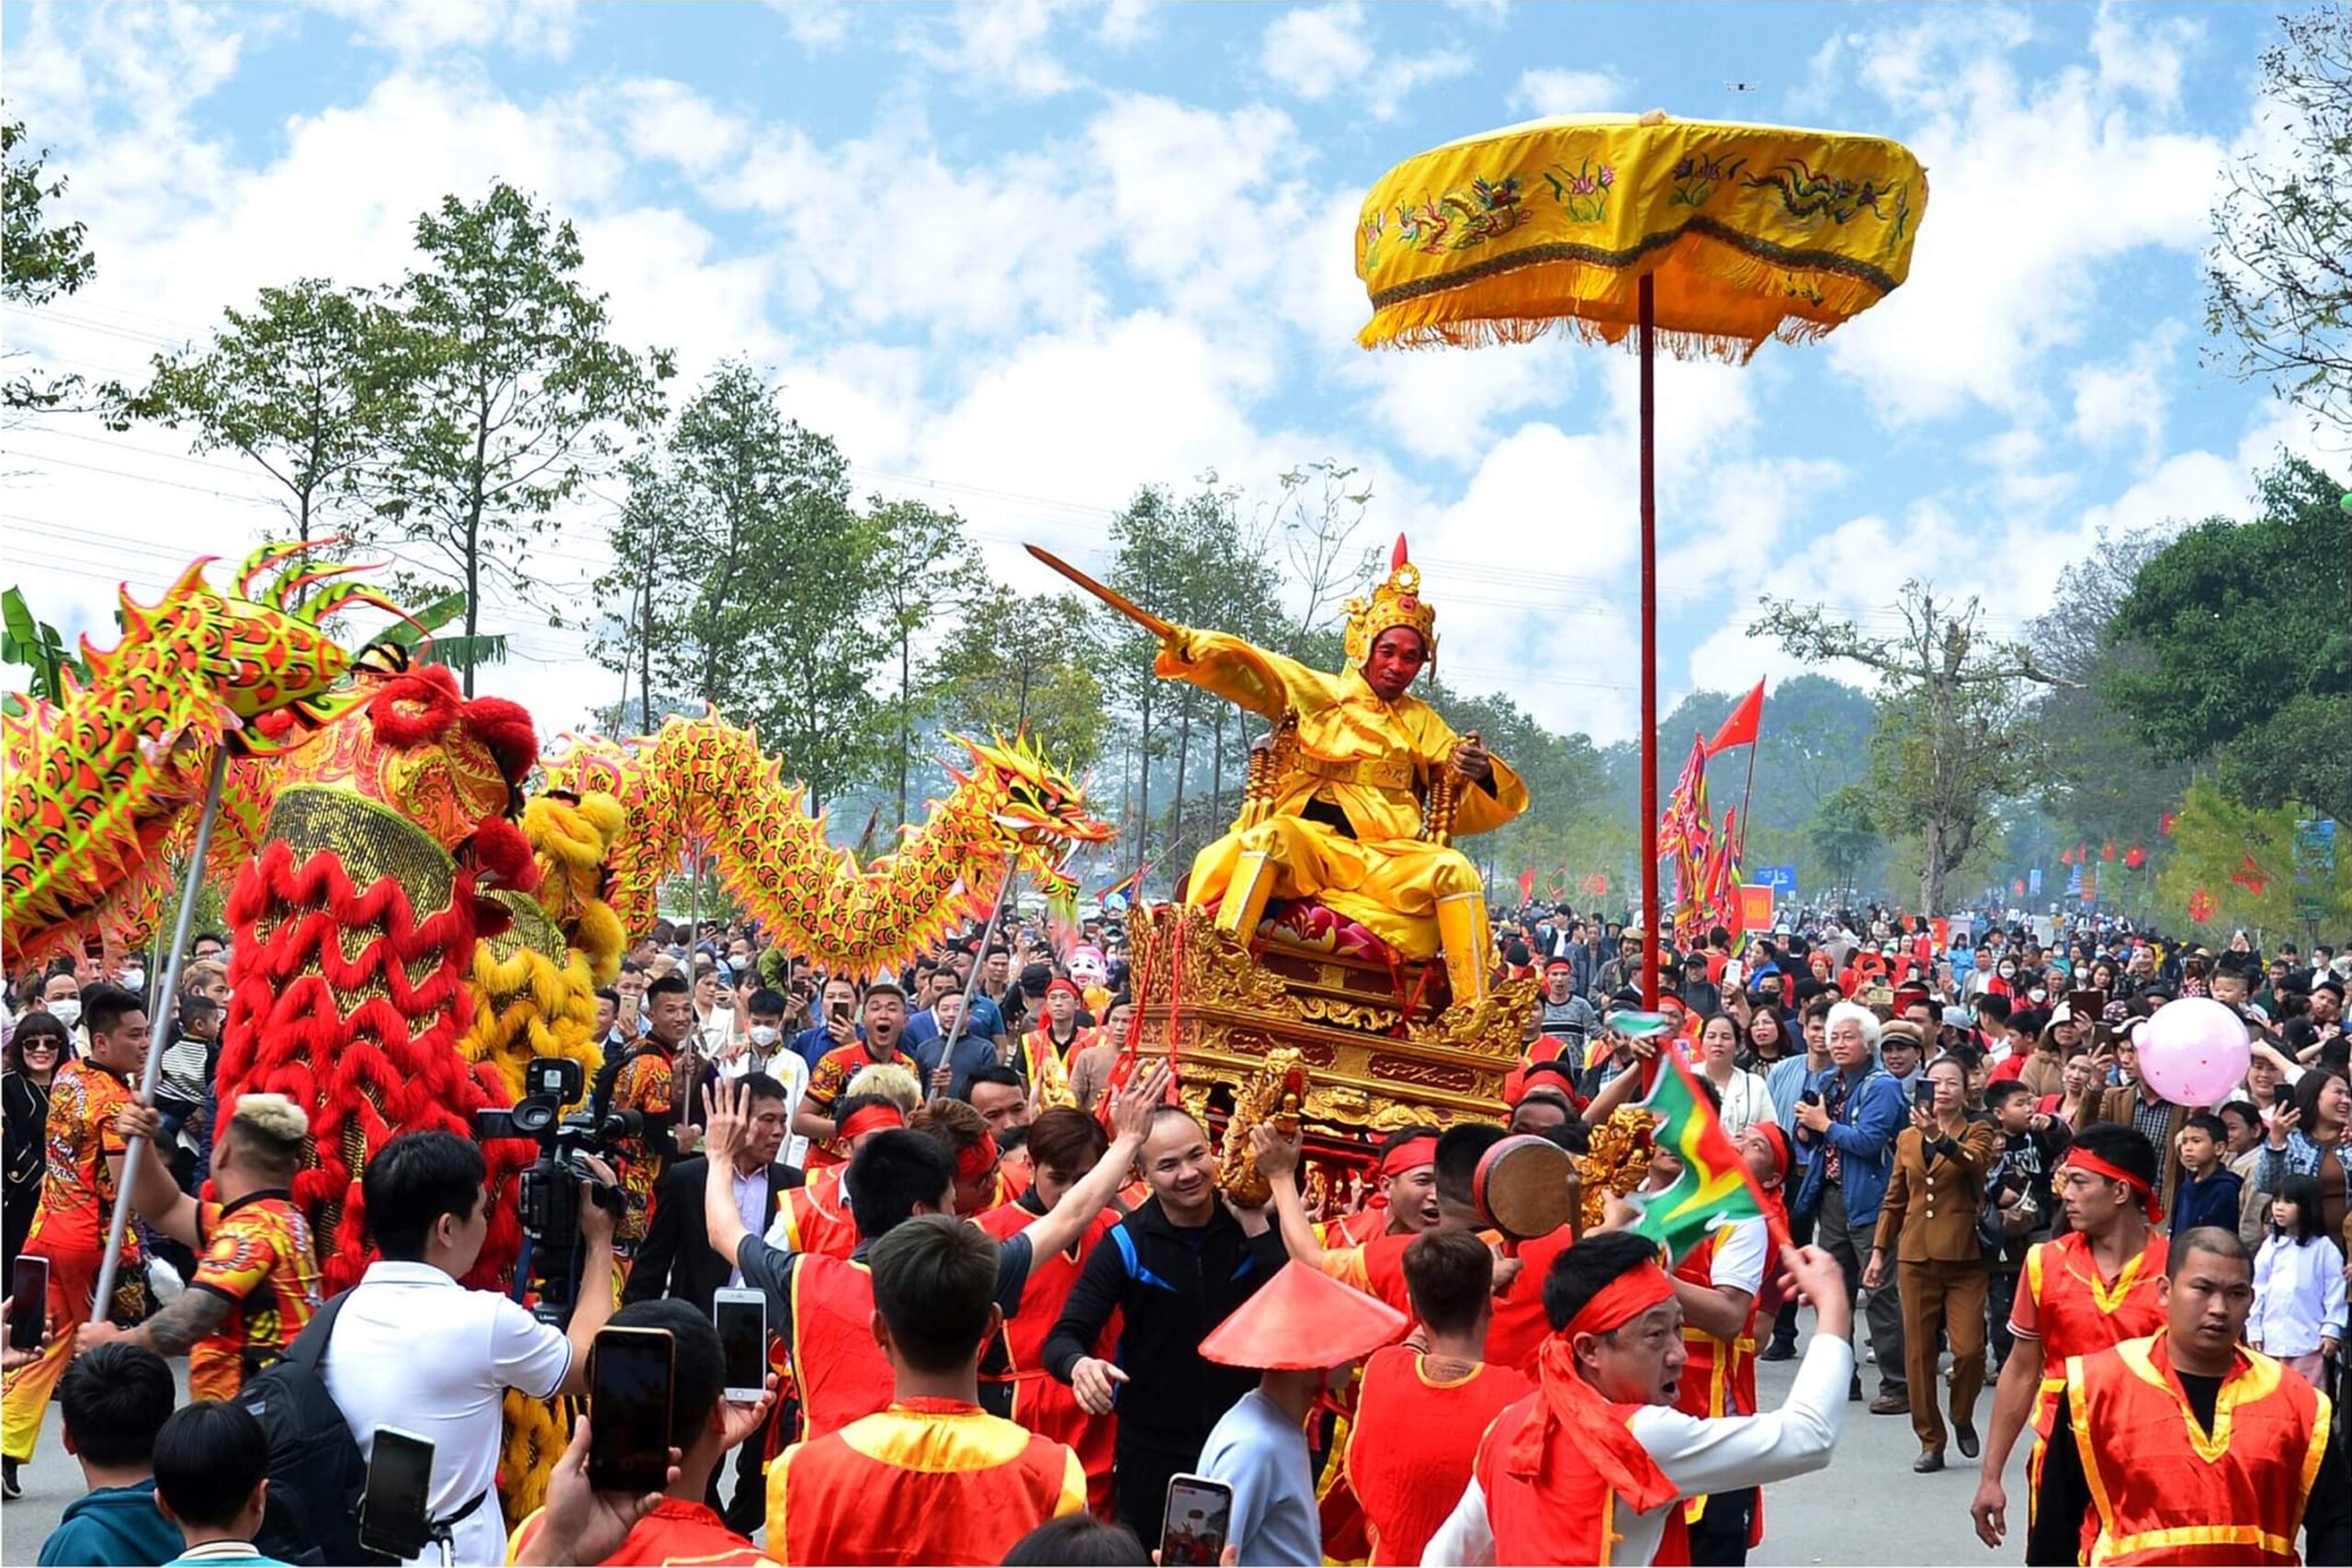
644, 1084
828, 1080
77, 1196
257, 1254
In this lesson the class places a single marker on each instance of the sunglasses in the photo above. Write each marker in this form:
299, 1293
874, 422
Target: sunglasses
41, 1045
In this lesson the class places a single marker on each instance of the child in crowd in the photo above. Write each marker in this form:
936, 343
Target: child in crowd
2208, 1188
2019, 1205
115, 1399
2243, 1151
2298, 1285
211, 1475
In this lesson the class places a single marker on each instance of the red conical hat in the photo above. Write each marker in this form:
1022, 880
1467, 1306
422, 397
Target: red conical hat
1304, 1320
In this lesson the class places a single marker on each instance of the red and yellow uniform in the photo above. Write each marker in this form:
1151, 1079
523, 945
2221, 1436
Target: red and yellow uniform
1718, 1380
842, 1372
816, 1217
1365, 1225
676, 1534
2162, 1489
1516, 1336
1040, 1401
1045, 1062
645, 1084
1376, 1268
923, 1481
2063, 1303
828, 1080
1410, 1449
258, 1254
70, 1230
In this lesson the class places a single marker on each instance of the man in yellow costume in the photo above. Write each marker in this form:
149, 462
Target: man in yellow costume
1356, 760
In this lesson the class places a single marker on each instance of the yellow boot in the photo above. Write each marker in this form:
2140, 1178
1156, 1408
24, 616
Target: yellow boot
1465, 939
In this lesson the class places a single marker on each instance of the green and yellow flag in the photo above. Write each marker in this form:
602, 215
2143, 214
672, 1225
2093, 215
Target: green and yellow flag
1714, 1188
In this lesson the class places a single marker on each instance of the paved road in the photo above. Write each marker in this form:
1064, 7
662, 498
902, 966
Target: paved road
1867, 1508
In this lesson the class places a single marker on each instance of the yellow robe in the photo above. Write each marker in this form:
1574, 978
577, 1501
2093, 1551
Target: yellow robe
1365, 757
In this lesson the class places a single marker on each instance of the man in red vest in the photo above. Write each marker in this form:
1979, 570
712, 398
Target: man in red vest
823, 1307
1063, 1143
2187, 1448
2091, 1288
815, 1215
932, 1477
1421, 1411
1589, 1468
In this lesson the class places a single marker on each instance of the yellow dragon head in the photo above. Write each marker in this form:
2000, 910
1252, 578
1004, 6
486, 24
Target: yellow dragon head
1036, 806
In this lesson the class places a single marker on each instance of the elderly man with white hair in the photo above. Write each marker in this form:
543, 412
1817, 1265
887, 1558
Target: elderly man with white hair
1849, 1116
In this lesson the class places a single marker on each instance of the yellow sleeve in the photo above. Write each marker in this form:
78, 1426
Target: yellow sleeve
1346, 1264
779, 1541
1476, 809
1266, 683
1073, 1497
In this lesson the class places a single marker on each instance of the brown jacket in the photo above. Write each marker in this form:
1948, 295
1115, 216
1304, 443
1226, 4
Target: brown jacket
2117, 1105
1929, 1215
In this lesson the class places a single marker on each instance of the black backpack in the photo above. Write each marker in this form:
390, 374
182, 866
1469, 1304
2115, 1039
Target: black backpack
317, 1478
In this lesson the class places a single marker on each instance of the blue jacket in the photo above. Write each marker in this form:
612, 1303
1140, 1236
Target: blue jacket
1864, 1134
114, 1525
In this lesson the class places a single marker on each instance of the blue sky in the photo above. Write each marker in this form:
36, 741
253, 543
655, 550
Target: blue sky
1024, 258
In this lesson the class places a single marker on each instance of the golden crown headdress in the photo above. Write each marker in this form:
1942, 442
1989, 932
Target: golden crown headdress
1395, 603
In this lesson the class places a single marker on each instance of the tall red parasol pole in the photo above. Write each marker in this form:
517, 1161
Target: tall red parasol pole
1651, 913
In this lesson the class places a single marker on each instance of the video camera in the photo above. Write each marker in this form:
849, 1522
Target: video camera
549, 1205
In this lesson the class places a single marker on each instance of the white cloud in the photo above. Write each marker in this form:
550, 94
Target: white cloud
1316, 51
2126, 398
1551, 91
998, 47
416, 28
1127, 23
668, 119
1443, 403
2145, 60
817, 26
2001, 276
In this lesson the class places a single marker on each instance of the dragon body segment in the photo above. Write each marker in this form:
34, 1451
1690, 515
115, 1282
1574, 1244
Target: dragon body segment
702, 784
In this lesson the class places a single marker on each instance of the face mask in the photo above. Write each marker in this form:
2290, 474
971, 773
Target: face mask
761, 1034
133, 978
67, 1010
2008, 972
2037, 995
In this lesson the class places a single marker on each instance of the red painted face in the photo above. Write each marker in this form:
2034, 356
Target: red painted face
1397, 655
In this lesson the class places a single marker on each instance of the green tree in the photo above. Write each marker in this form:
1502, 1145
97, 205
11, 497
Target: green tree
516, 395
1955, 732
924, 570
637, 622
1021, 662
2277, 286
39, 262
302, 385
2240, 647
1842, 835
2243, 857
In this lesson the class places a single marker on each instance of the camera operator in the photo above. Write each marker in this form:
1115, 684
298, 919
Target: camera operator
412, 1349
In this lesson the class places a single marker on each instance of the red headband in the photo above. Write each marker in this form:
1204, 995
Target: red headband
1778, 1138
1623, 1300
1410, 1155
870, 1118
2099, 1167
977, 1160
1060, 983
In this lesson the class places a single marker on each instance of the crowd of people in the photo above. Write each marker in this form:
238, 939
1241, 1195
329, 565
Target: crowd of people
1010, 1302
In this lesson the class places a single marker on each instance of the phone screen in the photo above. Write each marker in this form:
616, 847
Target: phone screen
628, 1411
397, 1519
742, 1324
2086, 1006
1200, 1512
1923, 1094
27, 1303
841, 1011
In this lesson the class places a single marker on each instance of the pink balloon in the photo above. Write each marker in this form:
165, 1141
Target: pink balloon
2193, 1052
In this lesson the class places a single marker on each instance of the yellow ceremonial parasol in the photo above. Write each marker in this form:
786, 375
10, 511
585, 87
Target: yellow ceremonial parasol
1712, 236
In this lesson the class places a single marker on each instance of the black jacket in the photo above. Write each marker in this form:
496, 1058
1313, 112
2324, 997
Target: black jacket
1172, 1292
675, 1259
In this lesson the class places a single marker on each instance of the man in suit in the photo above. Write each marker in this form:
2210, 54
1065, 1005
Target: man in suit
676, 1260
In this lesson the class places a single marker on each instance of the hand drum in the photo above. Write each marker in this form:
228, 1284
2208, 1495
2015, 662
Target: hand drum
1522, 1187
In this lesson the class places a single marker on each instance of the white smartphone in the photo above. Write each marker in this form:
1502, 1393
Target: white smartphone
1199, 1519
741, 1318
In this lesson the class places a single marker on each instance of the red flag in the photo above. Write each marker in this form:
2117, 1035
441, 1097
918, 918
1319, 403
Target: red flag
2065, 857
2107, 850
1527, 886
2136, 856
2201, 906
2249, 876
2166, 823
2017, 888
1740, 728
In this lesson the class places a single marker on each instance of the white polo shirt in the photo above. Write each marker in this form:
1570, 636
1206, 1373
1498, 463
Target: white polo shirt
415, 1350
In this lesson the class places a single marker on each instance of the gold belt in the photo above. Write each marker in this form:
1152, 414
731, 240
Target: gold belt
1380, 772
